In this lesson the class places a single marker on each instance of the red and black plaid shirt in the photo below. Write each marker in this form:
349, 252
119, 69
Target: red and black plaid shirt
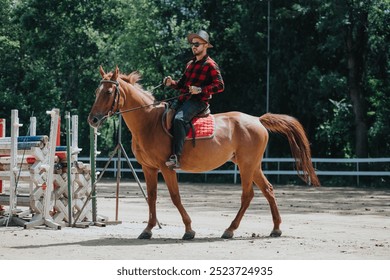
204, 74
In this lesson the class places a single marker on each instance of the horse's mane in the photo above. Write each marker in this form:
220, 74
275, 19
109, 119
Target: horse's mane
133, 79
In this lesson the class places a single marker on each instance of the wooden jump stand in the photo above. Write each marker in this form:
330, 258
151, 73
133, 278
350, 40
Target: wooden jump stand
58, 190
16, 155
62, 190
74, 179
33, 147
12, 219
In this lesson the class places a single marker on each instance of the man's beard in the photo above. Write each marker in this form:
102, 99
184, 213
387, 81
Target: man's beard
196, 52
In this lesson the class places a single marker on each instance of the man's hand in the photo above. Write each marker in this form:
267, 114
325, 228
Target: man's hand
195, 90
167, 81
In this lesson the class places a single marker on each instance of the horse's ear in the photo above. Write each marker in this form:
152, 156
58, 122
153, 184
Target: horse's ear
102, 73
116, 74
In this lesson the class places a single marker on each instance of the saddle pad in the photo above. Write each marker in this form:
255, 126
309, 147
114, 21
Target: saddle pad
204, 127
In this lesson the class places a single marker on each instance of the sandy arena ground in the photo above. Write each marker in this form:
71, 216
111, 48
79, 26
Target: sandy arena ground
318, 223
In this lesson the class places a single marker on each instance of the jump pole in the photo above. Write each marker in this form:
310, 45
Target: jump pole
13, 164
2, 127
92, 153
69, 166
33, 132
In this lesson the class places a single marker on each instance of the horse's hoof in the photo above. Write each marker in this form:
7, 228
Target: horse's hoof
189, 235
227, 234
145, 235
276, 233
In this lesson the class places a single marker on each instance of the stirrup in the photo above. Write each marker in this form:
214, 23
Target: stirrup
173, 162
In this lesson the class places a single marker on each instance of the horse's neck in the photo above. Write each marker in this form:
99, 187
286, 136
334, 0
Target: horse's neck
142, 117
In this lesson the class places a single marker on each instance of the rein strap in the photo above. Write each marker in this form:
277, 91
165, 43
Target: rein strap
116, 100
148, 105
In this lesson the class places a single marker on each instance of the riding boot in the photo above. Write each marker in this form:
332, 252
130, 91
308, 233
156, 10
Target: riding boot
173, 162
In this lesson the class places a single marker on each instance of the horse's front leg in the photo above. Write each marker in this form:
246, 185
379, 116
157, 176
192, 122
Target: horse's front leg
151, 186
173, 187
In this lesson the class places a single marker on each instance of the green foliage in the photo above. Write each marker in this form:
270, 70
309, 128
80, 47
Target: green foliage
154, 38
50, 52
10, 60
238, 30
334, 132
55, 56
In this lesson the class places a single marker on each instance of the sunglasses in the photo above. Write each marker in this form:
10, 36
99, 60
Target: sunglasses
197, 44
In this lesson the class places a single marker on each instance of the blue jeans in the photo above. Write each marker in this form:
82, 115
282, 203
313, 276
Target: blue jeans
181, 123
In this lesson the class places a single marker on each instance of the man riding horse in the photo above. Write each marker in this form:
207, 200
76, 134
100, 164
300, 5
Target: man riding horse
200, 80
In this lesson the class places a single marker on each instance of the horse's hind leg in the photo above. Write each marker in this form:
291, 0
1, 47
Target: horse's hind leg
267, 190
246, 198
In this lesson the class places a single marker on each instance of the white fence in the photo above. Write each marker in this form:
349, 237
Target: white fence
279, 167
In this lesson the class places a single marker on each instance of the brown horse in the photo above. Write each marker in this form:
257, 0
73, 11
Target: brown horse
239, 137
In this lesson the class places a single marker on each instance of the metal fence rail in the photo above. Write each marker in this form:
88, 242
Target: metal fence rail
278, 166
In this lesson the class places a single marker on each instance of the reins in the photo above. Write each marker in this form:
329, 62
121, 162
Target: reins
116, 99
148, 105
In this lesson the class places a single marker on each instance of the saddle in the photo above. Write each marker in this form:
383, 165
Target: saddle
202, 125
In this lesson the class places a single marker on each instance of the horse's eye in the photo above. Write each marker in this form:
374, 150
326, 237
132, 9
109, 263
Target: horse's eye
109, 92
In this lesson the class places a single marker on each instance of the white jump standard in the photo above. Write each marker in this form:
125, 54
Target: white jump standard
59, 183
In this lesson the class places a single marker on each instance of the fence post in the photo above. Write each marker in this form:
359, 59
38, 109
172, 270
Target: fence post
2, 134
357, 176
235, 174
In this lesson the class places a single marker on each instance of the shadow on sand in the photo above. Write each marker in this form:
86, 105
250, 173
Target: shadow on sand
140, 242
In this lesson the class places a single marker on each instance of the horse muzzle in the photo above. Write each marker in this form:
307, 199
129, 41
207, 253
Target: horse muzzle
96, 120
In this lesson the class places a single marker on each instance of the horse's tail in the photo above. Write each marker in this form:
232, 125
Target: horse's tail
299, 144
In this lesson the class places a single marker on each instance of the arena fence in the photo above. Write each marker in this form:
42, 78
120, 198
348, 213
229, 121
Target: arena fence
356, 167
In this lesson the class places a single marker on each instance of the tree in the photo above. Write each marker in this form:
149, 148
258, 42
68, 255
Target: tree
57, 53
329, 60
152, 39
10, 61
347, 28
378, 82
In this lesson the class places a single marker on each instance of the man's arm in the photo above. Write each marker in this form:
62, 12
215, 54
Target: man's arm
217, 85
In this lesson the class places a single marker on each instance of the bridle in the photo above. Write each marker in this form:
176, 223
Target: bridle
115, 102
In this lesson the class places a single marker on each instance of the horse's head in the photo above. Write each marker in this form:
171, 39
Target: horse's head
107, 100
115, 92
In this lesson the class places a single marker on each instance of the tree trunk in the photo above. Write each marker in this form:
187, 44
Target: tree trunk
356, 45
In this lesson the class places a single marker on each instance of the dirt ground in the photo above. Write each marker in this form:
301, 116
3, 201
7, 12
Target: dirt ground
318, 224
